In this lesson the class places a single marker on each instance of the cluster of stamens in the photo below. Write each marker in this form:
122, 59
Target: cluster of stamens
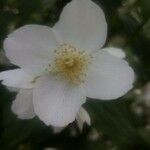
70, 63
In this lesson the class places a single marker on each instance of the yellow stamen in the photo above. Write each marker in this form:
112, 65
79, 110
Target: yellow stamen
70, 63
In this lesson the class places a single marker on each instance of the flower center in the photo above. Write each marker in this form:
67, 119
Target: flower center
70, 63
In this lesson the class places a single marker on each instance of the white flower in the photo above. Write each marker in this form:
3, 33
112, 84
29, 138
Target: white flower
81, 118
61, 66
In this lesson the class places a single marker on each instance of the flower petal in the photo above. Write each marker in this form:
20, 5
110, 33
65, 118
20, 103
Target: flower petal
109, 77
55, 102
31, 47
82, 23
16, 78
22, 106
57, 130
12, 89
83, 117
115, 52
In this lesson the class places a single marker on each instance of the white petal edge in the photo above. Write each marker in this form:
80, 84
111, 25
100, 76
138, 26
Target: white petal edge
57, 130
16, 78
82, 23
31, 47
56, 103
109, 77
22, 106
12, 89
83, 117
115, 52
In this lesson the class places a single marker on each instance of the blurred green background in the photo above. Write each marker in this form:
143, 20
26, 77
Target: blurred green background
122, 124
